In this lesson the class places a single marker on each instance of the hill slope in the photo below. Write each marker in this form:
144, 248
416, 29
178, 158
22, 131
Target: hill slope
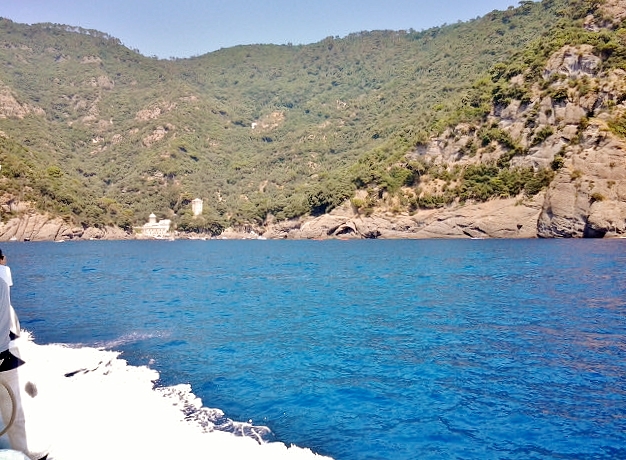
409, 124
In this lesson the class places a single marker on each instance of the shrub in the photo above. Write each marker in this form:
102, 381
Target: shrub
539, 181
576, 174
470, 148
558, 94
557, 163
596, 196
618, 126
358, 203
325, 196
542, 134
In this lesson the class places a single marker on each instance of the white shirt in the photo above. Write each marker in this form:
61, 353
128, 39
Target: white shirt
5, 274
5, 316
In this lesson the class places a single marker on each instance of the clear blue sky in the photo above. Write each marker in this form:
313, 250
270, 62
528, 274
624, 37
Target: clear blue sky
183, 28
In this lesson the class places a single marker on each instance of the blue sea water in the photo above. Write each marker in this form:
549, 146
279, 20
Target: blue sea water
462, 349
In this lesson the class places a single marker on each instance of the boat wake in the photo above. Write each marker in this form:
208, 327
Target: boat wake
94, 405
211, 419
126, 339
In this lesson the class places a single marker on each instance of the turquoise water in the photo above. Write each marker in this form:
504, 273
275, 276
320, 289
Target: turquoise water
466, 349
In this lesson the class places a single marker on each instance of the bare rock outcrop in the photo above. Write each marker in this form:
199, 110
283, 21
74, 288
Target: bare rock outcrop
11, 108
32, 227
573, 62
500, 218
568, 127
42, 227
588, 196
106, 233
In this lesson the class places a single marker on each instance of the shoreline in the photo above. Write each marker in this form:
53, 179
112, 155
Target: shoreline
510, 218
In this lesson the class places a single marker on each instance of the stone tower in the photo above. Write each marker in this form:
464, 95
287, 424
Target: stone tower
196, 206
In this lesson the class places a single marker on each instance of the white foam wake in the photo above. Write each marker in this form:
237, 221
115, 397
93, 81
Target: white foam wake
94, 405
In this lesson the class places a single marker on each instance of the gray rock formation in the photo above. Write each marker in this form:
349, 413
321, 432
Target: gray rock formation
510, 218
33, 226
588, 196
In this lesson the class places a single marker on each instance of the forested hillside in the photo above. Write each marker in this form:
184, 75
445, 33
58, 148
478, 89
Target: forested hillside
100, 135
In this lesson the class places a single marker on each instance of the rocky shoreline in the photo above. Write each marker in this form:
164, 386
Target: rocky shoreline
500, 218
508, 218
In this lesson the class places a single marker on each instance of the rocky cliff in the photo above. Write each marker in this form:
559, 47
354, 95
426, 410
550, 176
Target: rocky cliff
564, 127
508, 218
32, 226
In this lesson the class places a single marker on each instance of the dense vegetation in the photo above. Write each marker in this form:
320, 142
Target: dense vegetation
101, 135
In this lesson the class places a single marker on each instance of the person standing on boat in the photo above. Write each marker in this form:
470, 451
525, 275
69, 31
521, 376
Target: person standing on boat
5, 274
18, 392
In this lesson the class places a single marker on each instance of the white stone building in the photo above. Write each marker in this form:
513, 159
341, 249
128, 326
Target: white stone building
155, 229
